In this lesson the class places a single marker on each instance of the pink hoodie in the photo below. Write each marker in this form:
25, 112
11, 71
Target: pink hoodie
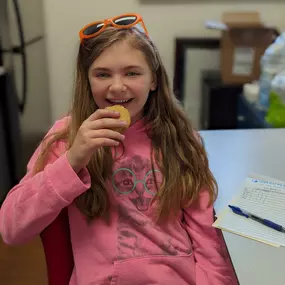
132, 249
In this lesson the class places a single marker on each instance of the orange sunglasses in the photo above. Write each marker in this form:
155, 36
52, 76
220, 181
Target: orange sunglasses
124, 21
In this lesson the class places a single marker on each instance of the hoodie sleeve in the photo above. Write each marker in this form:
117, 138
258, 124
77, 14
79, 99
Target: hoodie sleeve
38, 199
213, 264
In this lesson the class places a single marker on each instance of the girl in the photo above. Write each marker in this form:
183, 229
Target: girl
140, 204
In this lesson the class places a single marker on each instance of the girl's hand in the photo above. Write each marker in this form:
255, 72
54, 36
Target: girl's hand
95, 132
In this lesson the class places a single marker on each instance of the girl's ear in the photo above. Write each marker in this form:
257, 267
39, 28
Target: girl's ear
153, 85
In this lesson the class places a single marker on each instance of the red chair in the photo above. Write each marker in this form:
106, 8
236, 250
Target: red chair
58, 251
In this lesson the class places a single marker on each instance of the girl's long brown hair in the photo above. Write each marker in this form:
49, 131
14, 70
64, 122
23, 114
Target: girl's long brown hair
176, 147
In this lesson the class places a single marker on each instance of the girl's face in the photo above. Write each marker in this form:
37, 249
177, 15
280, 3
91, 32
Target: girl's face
121, 75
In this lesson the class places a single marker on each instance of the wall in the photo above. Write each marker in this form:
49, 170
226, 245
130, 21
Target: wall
36, 118
63, 20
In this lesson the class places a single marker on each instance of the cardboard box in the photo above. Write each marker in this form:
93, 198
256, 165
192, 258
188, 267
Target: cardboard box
243, 42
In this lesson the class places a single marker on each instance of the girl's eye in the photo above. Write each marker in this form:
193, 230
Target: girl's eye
132, 74
103, 75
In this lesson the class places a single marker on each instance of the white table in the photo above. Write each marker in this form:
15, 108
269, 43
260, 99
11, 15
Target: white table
233, 154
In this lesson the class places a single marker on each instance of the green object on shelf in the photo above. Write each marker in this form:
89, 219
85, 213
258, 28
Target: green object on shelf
276, 112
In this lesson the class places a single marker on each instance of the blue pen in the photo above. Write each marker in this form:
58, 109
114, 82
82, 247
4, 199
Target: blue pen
265, 222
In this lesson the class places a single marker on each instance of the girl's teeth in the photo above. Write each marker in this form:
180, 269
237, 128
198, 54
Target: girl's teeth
119, 101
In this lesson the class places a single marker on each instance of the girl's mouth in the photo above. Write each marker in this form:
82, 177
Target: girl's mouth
119, 101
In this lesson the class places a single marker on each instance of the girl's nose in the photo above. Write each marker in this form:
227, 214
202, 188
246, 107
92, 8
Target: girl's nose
117, 85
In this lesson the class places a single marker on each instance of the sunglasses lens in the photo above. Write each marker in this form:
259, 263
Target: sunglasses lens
93, 29
125, 21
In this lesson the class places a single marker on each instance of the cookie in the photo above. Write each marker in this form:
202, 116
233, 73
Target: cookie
124, 116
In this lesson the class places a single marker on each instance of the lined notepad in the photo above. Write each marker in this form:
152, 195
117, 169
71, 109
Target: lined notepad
264, 198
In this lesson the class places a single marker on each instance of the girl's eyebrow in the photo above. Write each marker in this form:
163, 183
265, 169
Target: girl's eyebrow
133, 67
100, 69
105, 69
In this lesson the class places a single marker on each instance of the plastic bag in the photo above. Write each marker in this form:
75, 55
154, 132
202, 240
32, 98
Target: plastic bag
276, 112
278, 85
272, 63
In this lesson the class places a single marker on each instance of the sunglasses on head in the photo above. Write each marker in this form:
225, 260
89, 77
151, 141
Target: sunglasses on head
121, 22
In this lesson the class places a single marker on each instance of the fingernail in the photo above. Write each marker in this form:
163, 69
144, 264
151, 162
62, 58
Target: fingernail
124, 122
123, 137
